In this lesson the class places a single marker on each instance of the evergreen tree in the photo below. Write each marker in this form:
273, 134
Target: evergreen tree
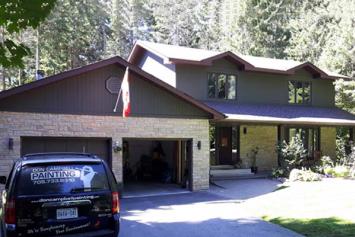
264, 27
131, 20
310, 30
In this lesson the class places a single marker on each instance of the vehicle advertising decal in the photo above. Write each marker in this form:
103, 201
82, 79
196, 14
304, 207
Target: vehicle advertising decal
87, 173
59, 229
62, 174
61, 199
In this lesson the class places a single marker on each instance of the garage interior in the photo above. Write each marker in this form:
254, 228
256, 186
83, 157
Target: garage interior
156, 166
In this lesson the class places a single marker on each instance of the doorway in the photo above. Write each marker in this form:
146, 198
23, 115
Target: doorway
227, 144
156, 166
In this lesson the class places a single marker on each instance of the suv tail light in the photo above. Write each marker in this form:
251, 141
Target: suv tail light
10, 212
115, 203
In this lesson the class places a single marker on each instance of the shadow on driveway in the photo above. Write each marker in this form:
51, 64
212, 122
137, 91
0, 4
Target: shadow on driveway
215, 212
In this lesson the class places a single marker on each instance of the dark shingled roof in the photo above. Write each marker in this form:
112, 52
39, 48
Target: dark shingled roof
283, 114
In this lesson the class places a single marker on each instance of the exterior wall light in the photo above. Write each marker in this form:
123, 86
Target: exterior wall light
199, 145
245, 130
11, 144
116, 147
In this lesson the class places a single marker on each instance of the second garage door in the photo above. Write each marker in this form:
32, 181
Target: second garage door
97, 146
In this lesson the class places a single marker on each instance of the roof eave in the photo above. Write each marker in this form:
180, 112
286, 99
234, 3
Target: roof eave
291, 122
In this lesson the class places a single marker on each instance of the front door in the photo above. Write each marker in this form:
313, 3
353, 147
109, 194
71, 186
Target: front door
224, 142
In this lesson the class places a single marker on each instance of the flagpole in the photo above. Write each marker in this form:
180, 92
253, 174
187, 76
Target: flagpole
118, 99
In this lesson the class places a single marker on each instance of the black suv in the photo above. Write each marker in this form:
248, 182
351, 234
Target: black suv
60, 194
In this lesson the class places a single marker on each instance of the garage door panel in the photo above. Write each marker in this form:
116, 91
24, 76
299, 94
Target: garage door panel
77, 145
96, 146
33, 146
56, 145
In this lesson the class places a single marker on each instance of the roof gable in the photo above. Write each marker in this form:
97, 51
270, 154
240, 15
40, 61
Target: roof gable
136, 72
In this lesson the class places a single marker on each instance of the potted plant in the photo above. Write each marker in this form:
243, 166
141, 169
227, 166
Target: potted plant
253, 153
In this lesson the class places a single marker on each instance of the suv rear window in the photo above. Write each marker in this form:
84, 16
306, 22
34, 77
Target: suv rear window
61, 179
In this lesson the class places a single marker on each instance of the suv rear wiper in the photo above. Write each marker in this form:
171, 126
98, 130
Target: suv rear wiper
76, 190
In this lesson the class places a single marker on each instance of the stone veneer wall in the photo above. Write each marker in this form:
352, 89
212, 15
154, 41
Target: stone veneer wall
328, 141
263, 137
15, 125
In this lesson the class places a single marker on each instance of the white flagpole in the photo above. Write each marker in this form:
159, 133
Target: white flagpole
118, 99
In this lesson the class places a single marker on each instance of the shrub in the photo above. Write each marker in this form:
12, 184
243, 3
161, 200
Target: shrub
352, 173
327, 161
292, 154
341, 171
340, 150
328, 170
304, 175
278, 173
338, 171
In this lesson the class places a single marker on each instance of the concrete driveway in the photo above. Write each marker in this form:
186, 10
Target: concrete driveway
217, 212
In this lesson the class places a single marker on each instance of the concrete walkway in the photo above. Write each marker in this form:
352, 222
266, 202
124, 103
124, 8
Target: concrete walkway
216, 212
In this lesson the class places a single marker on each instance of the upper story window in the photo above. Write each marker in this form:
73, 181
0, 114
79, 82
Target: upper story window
299, 92
222, 86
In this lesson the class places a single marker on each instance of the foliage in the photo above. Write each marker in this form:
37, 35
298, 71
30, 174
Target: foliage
292, 154
341, 171
16, 16
340, 150
86, 25
337, 171
345, 94
266, 33
305, 175
326, 161
278, 172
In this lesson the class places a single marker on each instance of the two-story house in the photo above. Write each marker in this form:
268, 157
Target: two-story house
264, 100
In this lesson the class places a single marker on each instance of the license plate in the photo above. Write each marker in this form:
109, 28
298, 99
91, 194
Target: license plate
67, 213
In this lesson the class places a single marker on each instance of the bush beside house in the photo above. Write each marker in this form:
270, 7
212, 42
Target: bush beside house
293, 156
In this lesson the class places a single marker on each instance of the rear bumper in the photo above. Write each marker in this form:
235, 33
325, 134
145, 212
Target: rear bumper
97, 233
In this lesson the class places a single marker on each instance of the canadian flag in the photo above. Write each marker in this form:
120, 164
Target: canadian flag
125, 95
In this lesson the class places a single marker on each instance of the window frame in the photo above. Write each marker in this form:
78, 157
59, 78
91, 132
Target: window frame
294, 83
226, 84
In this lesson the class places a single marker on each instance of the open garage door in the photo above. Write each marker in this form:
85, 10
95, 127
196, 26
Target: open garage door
96, 146
153, 166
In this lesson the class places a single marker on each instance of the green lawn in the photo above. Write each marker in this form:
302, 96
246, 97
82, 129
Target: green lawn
327, 227
316, 209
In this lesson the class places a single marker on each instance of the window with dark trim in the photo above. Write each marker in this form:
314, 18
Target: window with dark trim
310, 138
299, 92
222, 86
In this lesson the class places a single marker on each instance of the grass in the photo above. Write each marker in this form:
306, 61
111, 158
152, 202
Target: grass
314, 209
326, 227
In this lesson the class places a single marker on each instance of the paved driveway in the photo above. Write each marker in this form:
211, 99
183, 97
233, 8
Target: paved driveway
217, 212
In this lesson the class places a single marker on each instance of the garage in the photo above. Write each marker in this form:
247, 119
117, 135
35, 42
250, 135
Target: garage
73, 111
156, 166
97, 146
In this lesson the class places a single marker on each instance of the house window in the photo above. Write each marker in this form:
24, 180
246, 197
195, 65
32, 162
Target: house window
309, 136
222, 86
299, 92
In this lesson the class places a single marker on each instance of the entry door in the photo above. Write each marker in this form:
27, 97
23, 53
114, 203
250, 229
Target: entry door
224, 138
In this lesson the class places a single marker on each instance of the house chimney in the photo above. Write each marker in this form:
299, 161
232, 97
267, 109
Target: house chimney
39, 74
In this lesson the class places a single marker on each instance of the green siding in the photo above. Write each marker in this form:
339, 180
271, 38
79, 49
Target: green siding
87, 94
253, 87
